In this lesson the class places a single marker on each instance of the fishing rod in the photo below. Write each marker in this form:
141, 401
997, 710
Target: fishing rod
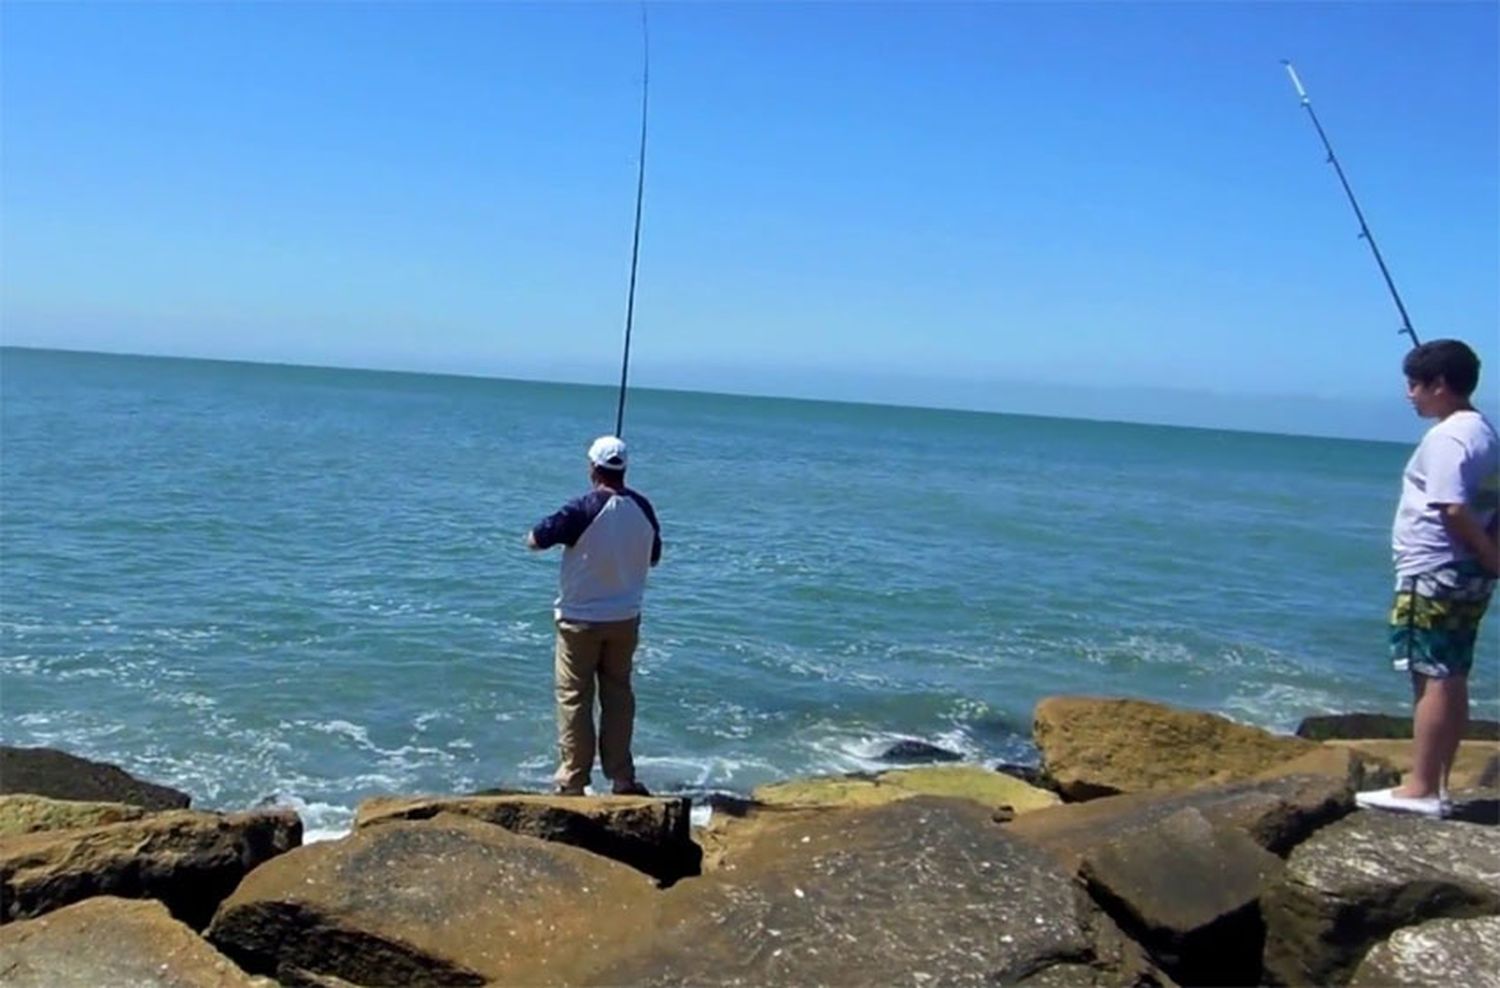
1364, 228
635, 248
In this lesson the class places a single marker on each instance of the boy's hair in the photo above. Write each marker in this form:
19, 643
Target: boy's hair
1451, 360
607, 476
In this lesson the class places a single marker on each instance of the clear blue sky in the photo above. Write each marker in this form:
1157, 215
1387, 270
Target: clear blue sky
1104, 209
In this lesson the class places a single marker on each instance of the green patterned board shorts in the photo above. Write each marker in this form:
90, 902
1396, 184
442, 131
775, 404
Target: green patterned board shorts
1435, 619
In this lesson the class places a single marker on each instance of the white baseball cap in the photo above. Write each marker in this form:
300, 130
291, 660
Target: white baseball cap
608, 452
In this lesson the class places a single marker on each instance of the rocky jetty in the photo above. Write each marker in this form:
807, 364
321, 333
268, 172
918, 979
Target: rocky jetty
1153, 847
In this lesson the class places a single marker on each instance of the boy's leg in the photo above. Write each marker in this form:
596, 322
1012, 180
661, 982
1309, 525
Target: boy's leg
1434, 624
1439, 717
576, 658
1458, 726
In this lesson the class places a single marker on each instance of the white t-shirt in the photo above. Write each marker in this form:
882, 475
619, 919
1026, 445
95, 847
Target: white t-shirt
1457, 462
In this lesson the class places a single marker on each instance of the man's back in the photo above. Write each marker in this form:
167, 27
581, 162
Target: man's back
612, 540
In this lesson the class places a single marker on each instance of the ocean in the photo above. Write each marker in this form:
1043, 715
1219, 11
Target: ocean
305, 586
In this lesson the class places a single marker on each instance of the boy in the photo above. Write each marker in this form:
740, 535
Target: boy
1444, 544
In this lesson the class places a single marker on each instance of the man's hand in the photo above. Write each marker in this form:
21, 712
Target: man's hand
1467, 532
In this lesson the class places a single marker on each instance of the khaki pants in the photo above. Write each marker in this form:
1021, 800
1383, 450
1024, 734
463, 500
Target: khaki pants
587, 652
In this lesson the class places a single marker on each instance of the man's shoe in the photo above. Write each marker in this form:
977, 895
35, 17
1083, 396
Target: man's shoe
567, 790
631, 788
1386, 799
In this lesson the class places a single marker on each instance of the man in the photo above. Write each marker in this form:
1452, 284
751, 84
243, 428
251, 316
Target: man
611, 539
1445, 548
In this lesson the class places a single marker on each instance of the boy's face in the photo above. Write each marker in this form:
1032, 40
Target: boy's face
1426, 398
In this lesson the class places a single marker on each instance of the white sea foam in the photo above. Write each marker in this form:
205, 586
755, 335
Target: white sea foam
422, 720
342, 728
320, 821
1132, 650
1281, 706
20, 665
713, 772
188, 698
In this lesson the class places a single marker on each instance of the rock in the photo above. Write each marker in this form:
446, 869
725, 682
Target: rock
1352, 884
21, 813
1002, 795
110, 941
1032, 775
446, 901
188, 860
909, 750
917, 891
1475, 806
59, 775
971, 782
288, 976
1476, 766
1359, 768
1277, 814
1437, 954
1182, 872
1188, 892
1329, 727
650, 834
1095, 747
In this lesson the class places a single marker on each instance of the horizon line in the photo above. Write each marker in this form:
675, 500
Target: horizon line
753, 396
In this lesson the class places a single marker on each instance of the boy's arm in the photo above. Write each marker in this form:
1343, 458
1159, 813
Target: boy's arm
1454, 475
1467, 532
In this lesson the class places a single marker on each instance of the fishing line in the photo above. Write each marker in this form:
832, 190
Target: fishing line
635, 248
1364, 228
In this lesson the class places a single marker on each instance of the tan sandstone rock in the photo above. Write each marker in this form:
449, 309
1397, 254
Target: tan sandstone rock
1476, 767
773, 805
1095, 747
188, 860
445, 901
1359, 768
1278, 814
23, 813
651, 834
110, 941
972, 782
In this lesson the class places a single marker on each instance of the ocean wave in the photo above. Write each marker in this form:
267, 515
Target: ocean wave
320, 821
